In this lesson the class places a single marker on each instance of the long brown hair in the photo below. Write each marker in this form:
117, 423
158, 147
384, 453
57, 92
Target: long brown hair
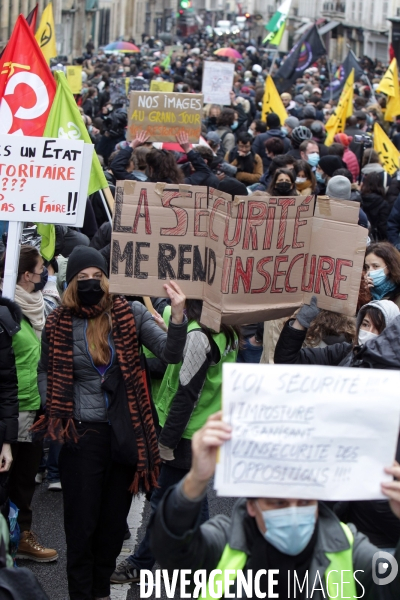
163, 167
98, 328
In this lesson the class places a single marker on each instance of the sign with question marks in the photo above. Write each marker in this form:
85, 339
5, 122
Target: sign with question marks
43, 180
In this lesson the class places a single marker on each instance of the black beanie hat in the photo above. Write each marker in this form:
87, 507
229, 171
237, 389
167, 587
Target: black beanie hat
331, 163
83, 257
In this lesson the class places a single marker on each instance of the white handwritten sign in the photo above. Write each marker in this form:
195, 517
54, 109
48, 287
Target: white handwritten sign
217, 82
42, 179
308, 432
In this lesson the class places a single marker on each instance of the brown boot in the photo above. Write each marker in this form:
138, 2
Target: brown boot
30, 548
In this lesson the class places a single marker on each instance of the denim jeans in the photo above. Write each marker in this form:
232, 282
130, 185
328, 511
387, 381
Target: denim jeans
249, 353
53, 475
169, 476
51, 462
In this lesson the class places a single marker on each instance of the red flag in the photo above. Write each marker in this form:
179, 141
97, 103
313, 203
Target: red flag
27, 86
32, 18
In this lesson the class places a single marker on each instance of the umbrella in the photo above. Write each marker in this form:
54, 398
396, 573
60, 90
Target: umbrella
231, 52
121, 47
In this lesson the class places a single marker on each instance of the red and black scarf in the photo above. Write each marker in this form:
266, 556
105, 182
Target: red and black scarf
58, 422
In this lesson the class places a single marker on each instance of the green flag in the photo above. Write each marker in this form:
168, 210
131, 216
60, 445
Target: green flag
166, 63
274, 39
48, 244
65, 121
276, 25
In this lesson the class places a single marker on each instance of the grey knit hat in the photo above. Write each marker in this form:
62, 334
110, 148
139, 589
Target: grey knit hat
339, 187
292, 122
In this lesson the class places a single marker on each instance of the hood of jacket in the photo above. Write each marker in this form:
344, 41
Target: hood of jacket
10, 315
372, 168
276, 133
382, 352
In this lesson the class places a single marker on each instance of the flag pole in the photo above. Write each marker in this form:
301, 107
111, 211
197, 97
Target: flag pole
104, 201
273, 60
12, 258
373, 97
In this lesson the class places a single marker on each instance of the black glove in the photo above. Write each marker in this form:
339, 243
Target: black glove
308, 312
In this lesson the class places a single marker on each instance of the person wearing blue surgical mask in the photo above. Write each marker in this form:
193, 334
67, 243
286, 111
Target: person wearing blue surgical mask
382, 264
285, 536
309, 151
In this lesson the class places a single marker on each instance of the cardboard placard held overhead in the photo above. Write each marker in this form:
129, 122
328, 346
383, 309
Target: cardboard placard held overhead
43, 179
307, 432
251, 259
217, 82
164, 114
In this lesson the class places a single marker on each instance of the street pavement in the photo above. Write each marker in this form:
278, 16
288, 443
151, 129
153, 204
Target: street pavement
48, 525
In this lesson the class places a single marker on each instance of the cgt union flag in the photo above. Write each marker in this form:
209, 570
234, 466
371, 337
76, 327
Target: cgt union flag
27, 86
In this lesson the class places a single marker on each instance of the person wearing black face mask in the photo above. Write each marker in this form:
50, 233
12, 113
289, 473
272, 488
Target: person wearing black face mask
283, 183
91, 380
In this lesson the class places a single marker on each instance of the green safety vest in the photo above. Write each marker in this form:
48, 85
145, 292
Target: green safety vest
210, 398
26, 346
339, 561
156, 383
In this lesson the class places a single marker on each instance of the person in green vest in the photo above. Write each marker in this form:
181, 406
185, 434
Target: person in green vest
31, 279
190, 392
299, 539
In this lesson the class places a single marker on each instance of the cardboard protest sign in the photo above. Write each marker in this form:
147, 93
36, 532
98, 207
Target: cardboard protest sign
161, 86
251, 259
217, 82
307, 432
163, 114
44, 180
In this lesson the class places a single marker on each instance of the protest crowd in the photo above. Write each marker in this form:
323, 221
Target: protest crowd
105, 395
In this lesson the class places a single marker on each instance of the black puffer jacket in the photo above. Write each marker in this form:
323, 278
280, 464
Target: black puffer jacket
90, 402
382, 352
10, 318
289, 350
377, 209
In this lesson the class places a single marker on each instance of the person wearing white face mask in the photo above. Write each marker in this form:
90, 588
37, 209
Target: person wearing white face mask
289, 535
374, 319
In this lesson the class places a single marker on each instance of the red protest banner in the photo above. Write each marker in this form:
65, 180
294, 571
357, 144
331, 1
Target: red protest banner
27, 86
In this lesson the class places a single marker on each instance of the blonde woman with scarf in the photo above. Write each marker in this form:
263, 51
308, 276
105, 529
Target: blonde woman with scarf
31, 279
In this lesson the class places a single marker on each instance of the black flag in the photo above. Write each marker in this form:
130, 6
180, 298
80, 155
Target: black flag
342, 73
301, 57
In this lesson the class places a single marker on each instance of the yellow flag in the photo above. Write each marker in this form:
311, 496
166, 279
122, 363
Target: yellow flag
161, 86
272, 102
337, 120
387, 151
46, 34
74, 78
389, 85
